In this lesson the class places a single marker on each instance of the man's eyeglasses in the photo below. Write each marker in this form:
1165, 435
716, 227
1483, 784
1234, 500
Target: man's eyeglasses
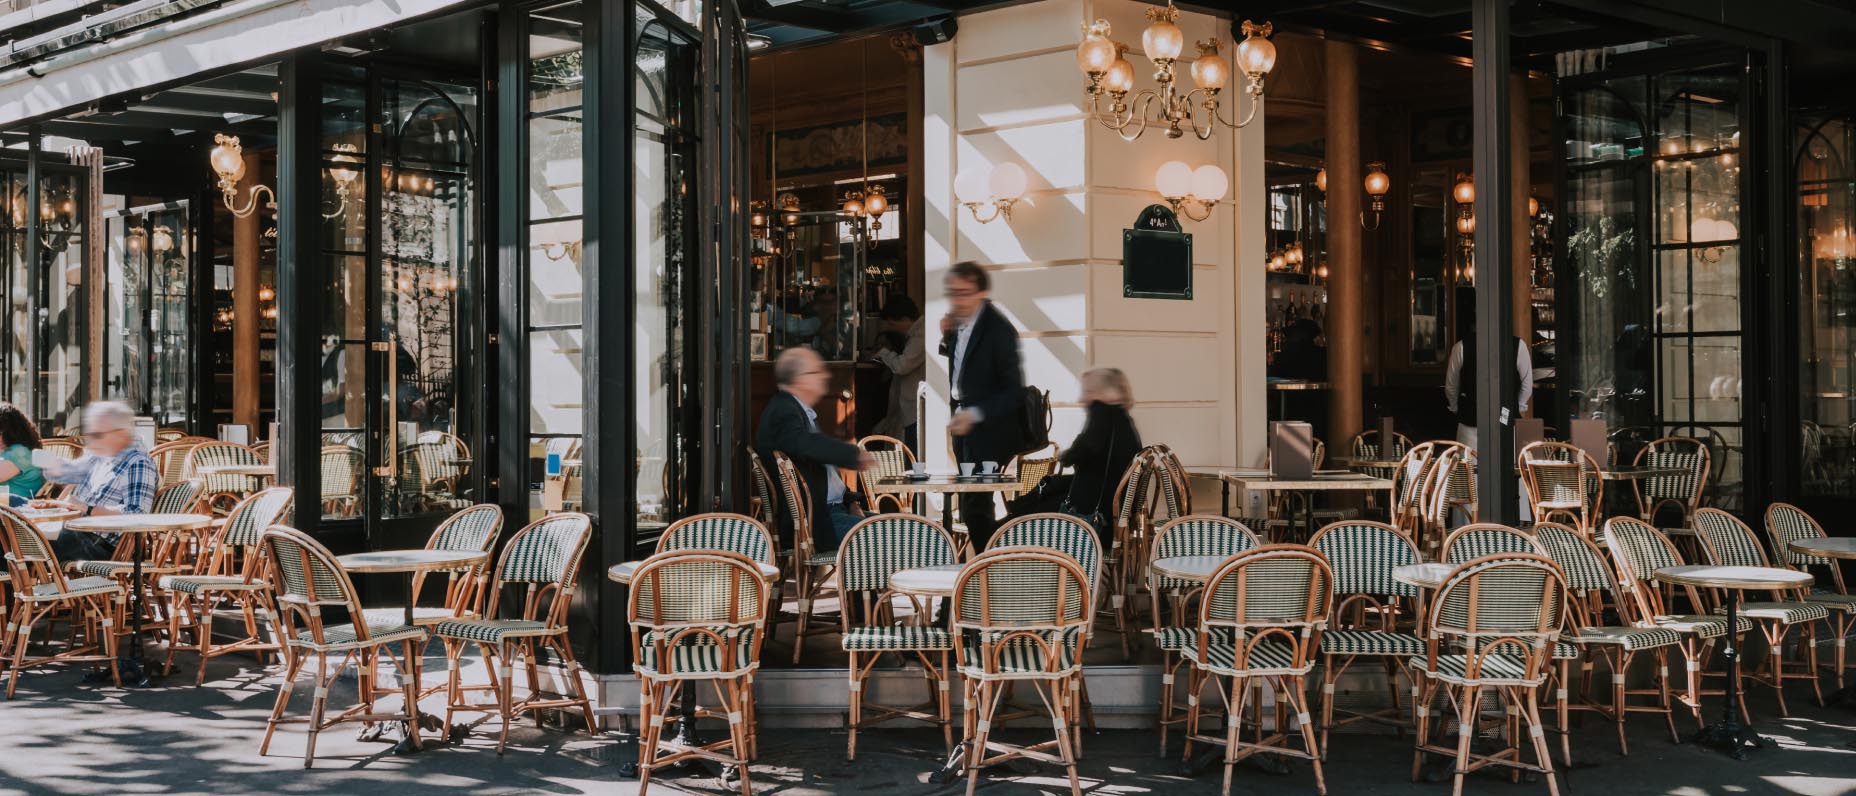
959, 293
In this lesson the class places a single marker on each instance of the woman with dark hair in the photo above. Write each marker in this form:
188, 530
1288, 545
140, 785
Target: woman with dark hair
19, 438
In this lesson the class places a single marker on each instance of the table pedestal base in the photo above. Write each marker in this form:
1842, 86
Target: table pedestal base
1730, 736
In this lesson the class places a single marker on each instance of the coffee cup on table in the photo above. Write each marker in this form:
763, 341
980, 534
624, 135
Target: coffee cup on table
919, 468
989, 468
966, 469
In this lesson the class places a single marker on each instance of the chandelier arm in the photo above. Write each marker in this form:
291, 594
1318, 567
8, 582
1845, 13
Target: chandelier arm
974, 208
252, 205
1205, 210
1192, 114
1137, 112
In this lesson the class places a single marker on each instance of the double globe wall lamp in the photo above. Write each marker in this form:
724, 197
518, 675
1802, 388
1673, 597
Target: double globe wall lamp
870, 204
1377, 184
1191, 192
997, 190
228, 162
1102, 60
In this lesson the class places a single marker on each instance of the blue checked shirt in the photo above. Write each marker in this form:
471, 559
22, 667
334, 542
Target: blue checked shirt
125, 482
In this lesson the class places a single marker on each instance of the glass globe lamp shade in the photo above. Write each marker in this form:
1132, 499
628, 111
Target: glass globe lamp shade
1209, 183
1533, 207
1120, 76
1277, 262
1321, 180
877, 203
1377, 182
1173, 179
1007, 181
1163, 40
970, 188
163, 241
1465, 191
853, 204
228, 161
1209, 71
1466, 225
135, 241
1256, 55
1096, 53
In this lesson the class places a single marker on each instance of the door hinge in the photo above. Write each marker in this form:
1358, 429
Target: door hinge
380, 345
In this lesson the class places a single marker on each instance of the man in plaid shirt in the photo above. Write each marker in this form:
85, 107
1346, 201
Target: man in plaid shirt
114, 476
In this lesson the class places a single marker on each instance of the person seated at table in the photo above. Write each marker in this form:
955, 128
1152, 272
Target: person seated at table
1101, 452
789, 425
114, 476
19, 437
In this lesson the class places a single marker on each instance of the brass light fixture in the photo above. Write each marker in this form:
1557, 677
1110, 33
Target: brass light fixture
1377, 184
999, 189
1101, 59
228, 162
1464, 194
789, 207
1187, 189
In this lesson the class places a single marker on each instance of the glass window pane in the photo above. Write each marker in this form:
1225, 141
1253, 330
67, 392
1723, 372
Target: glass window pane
556, 378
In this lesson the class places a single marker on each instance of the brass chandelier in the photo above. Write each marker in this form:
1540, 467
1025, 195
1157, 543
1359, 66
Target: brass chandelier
1102, 60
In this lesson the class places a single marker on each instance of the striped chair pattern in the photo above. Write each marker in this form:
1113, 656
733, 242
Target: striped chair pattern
1361, 556
222, 491
1020, 616
1262, 616
1196, 535
41, 591
341, 467
1131, 528
1562, 482
696, 615
874, 550
811, 570
171, 459
165, 554
1471, 542
735, 533
1638, 550
1680, 492
762, 506
1452, 489
1786, 523
1491, 628
893, 460
1074, 538
309, 581
541, 563
1589, 577
472, 530
229, 573
1726, 541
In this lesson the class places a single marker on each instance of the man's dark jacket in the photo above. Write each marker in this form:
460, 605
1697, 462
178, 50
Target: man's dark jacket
992, 380
783, 428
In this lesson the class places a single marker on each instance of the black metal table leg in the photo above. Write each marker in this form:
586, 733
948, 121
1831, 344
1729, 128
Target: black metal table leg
1729, 734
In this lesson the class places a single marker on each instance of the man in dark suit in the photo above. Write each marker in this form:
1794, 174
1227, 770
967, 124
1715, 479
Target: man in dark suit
790, 426
988, 381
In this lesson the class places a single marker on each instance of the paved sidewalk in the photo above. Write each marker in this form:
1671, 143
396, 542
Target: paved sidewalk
61, 736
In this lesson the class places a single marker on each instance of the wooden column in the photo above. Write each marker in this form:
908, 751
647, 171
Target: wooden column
1520, 159
1346, 349
95, 274
245, 310
916, 217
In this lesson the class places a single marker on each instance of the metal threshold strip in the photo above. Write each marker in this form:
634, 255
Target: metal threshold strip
99, 28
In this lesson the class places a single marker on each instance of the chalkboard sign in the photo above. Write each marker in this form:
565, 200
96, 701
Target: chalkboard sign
1156, 257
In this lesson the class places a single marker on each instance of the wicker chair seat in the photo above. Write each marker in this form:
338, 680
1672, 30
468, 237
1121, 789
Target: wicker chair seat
105, 569
897, 638
198, 584
1832, 601
343, 637
1497, 669
1271, 656
1174, 639
76, 587
696, 656
1790, 613
422, 615
1022, 657
1371, 642
493, 631
1703, 626
1630, 639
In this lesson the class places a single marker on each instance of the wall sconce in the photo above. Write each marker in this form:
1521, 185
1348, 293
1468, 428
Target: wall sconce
561, 250
789, 205
999, 189
1377, 184
344, 175
228, 162
1185, 188
136, 241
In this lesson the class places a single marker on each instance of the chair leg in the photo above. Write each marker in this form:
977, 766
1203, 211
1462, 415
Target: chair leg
173, 632
293, 666
737, 731
203, 635
1329, 675
650, 727
1466, 712
857, 708
1421, 707
986, 704
1240, 693
1062, 705
941, 686
454, 651
1532, 713
1299, 700
22, 637
316, 707
409, 684
505, 676
1166, 697
562, 648
1620, 664
1662, 678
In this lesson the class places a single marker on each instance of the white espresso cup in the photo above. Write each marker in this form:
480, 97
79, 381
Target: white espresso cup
989, 468
920, 468
966, 469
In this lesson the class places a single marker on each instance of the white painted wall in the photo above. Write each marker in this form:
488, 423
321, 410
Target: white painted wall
1007, 89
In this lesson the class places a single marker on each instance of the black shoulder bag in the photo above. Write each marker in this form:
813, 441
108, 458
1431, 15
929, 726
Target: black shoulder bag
1094, 517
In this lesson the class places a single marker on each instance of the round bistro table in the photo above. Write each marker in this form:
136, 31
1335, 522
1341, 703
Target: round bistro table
410, 562
1728, 733
137, 526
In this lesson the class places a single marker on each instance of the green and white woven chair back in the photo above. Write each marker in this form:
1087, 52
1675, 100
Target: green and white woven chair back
732, 532
1060, 532
246, 524
473, 528
1584, 566
179, 498
306, 572
796, 499
1557, 482
1362, 556
1643, 549
763, 486
1727, 540
693, 588
1476, 541
1787, 523
1520, 595
888, 543
24, 538
1277, 584
1690, 456
1415, 472
1173, 484
341, 472
171, 457
547, 551
1133, 488
1200, 535
1021, 588
221, 454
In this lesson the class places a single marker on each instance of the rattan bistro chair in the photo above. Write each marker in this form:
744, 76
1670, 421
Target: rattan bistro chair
1588, 577
811, 570
40, 590
1471, 542
472, 530
1021, 615
1729, 542
310, 581
540, 565
1197, 535
1491, 628
1786, 523
341, 467
1679, 492
696, 615
222, 491
1638, 550
1362, 556
1261, 618
875, 549
893, 460
1563, 483
1031, 467
230, 570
